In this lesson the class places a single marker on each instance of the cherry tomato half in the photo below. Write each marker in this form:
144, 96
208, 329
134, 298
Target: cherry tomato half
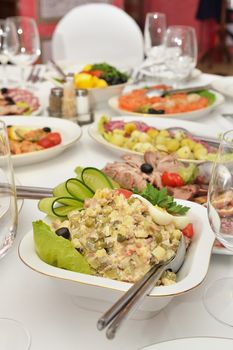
126, 193
97, 73
188, 231
50, 140
45, 143
172, 179
54, 137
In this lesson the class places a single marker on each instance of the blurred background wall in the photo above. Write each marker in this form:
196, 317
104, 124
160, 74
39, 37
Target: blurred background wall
212, 30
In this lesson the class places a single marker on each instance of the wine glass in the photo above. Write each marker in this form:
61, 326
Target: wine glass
3, 51
180, 51
23, 42
154, 36
13, 335
218, 297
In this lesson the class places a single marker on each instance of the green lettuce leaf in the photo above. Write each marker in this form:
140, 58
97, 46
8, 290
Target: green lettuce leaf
209, 95
56, 250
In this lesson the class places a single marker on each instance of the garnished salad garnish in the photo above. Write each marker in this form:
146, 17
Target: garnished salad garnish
97, 228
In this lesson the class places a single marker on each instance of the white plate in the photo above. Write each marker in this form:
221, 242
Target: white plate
193, 115
70, 133
207, 343
224, 85
194, 127
99, 292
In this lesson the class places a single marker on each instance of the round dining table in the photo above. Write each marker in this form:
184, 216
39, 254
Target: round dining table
52, 317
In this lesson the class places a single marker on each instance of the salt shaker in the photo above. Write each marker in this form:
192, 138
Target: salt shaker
84, 113
55, 102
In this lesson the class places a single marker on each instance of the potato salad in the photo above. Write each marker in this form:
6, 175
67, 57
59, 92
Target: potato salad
121, 238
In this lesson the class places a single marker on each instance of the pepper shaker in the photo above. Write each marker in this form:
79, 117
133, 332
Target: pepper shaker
55, 102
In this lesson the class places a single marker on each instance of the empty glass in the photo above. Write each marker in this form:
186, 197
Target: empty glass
3, 52
23, 42
13, 335
218, 297
154, 36
181, 51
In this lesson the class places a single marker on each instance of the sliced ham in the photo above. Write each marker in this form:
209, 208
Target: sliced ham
185, 192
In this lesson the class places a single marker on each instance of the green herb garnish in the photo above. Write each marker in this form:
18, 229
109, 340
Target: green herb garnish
209, 95
112, 75
162, 199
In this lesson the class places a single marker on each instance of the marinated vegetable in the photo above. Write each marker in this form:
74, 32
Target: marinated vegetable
27, 139
140, 137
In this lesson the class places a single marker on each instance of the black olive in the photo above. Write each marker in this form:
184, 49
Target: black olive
64, 232
146, 168
155, 111
4, 91
46, 129
9, 100
9, 126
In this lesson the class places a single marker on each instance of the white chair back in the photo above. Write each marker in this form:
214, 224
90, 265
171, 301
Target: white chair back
96, 33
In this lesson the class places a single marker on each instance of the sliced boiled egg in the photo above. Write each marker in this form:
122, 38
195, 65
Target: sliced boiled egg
180, 221
161, 216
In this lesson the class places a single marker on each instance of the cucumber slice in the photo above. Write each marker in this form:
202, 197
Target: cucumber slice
78, 189
78, 170
59, 206
61, 191
95, 179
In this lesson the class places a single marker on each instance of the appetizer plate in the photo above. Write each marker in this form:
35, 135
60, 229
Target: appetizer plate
70, 133
207, 343
21, 95
194, 127
98, 293
224, 86
193, 115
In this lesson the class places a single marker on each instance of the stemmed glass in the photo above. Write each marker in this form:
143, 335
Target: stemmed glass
181, 51
218, 297
13, 335
154, 36
3, 51
23, 42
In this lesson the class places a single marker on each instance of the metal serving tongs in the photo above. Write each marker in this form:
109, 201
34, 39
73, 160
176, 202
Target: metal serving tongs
125, 306
28, 192
161, 92
31, 192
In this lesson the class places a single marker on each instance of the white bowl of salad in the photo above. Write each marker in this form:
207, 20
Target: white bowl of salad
102, 80
99, 239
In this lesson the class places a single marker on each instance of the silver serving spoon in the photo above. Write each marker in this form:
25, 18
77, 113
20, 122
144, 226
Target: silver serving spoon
210, 140
125, 306
161, 93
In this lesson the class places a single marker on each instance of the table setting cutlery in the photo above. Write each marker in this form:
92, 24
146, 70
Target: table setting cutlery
124, 307
162, 93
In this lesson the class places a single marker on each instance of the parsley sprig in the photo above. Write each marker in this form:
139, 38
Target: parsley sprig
162, 199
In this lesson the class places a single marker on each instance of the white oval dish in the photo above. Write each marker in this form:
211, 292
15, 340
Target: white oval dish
70, 133
194, 127
207, 343
98, 293
193, 115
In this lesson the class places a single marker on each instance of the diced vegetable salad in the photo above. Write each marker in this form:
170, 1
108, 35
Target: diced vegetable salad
98, 229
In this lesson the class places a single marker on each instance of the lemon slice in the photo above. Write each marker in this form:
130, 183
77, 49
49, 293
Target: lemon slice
13, 134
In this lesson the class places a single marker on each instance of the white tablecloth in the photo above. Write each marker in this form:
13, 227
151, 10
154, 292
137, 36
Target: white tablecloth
53, 319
